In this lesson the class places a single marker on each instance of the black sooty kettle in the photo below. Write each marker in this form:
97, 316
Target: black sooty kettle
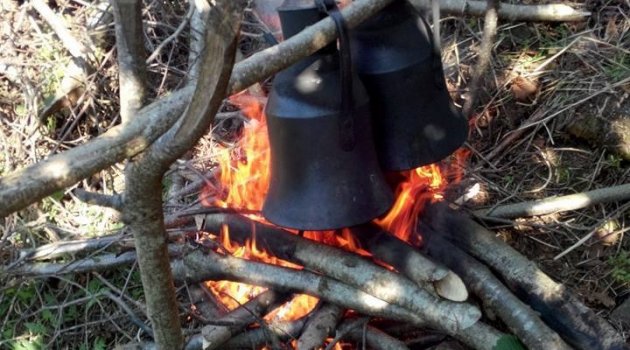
324, 169
414, 120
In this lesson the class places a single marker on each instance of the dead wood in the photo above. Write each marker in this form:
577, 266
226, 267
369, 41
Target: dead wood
29, 185
520, 318
411, 262
559, 308
197, 267
350, 268
320, 325
558, 204
510, 12
220, 331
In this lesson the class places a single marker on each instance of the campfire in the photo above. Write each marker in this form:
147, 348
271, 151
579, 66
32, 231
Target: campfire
240, 231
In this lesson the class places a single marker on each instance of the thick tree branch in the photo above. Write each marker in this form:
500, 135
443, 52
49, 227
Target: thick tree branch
143, 194
411, 262
213, 336
199, 266
320, 325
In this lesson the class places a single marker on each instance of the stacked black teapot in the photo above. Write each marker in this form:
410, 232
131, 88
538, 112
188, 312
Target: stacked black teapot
335, 125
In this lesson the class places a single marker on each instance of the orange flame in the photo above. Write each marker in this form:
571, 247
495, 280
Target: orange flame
245, 179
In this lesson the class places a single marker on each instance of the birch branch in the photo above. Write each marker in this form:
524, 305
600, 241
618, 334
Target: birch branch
560, 309
510, 12
558, 204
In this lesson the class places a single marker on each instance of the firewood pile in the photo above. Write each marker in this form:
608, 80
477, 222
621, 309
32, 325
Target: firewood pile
461, 282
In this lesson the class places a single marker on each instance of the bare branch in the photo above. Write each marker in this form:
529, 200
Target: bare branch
319, 326
143, 211
510, 12
558, 204
410, 262
214, 336
485, 56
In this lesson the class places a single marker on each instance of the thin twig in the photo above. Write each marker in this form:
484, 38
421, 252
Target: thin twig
485, 56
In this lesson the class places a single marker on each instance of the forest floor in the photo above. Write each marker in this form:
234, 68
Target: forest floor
563, 85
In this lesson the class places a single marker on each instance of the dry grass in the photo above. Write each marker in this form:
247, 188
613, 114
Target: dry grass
573, 64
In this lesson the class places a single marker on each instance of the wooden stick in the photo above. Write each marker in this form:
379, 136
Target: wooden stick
350, 268
558, 204
511, 12
558, 307
374, 338
411, 262
520, 318
320, 325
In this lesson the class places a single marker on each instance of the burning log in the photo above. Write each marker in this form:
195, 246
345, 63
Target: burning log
559, 308
411, 263
350, 268
213, 336
199, 266
521, 320
319, 326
